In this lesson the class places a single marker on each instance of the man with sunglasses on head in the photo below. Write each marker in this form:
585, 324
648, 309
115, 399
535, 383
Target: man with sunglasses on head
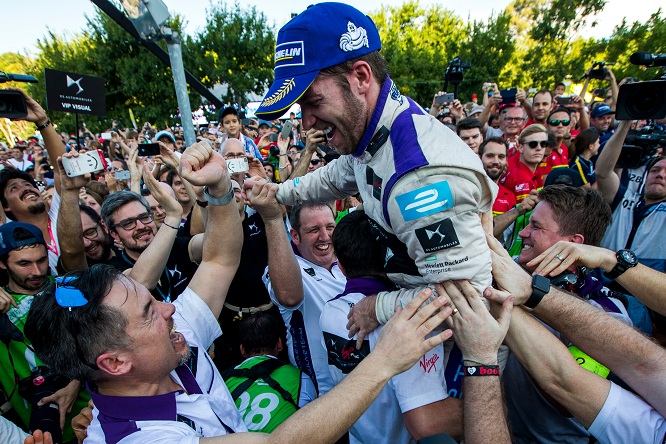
24, 259
523, 176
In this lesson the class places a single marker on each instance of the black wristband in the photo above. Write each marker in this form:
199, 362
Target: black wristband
44, 125
202, 203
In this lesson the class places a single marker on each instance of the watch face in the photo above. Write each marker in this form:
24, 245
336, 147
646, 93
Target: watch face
628, 257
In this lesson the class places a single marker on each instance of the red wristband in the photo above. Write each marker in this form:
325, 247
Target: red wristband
481, 370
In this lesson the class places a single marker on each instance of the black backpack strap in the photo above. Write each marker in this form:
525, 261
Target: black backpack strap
263, 370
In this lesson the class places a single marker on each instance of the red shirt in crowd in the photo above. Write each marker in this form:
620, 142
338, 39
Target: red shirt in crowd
558, 158
505, 201
520, 180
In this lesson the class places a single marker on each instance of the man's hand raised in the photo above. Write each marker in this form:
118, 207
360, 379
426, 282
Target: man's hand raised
202, 166
261, 195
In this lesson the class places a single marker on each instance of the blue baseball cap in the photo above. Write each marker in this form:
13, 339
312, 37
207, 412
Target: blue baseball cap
601, 110
324, 35
8, 241
166, 134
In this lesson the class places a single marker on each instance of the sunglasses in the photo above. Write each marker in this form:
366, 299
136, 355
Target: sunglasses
68, 296
557, 122
535, 143
315, 162
130, 223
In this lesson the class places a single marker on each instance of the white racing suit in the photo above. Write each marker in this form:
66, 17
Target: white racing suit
423, 189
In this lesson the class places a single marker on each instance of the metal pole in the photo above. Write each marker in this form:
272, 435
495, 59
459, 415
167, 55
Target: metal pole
176, 58
78, 137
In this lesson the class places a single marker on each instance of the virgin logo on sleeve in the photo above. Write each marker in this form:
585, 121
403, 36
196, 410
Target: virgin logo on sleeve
425, 201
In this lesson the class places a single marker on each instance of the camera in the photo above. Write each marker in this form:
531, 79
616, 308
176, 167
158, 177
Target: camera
454, 72
642, 100
599, 70
274, 150
43, 382
639, 145
12, 103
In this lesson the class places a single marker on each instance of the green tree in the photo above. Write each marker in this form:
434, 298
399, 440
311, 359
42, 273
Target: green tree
134, 78
13, 63
627, 39
489, 46
235, 49
418, 44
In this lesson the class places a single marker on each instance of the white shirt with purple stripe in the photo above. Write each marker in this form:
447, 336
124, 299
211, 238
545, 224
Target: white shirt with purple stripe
204, 409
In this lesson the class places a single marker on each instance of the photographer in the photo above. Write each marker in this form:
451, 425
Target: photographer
45, 406
19, 194
601, 71
638, 215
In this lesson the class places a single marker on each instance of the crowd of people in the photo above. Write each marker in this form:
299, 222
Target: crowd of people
364, 271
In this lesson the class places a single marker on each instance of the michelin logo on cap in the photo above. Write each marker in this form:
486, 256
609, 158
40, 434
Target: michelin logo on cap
289, 54
355, 38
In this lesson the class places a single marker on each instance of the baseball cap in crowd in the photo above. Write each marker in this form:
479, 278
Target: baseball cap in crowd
324, 35
601, 110
564, 176
166, 134
265, 122
8, 241
212, 131
475, 110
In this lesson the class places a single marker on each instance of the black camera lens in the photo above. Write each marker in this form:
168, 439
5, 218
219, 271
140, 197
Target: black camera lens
12, 105
41, 383
275, 151
644, 100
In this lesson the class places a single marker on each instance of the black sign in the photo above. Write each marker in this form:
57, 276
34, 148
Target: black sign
74, 93
438, 236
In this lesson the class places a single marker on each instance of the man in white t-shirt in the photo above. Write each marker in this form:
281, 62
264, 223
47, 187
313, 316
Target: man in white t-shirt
403, 411
313, 259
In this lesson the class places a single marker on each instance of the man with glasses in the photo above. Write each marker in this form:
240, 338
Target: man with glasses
24, 259
512, 121
523, 177
173, 261
559, 122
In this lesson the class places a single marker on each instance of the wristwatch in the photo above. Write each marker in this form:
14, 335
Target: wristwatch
540, 287
626, 259
219, 201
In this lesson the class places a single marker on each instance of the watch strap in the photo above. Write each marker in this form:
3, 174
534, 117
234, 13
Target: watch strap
621, 266
222, 200
537, 293
44, 125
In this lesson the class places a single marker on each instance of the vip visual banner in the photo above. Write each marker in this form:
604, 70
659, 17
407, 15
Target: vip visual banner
74, 93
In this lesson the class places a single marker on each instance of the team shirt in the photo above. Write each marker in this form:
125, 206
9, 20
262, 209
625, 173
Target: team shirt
558, 158
585, 168
420, 385
520, 180
505, 201
203, 409
302, 320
